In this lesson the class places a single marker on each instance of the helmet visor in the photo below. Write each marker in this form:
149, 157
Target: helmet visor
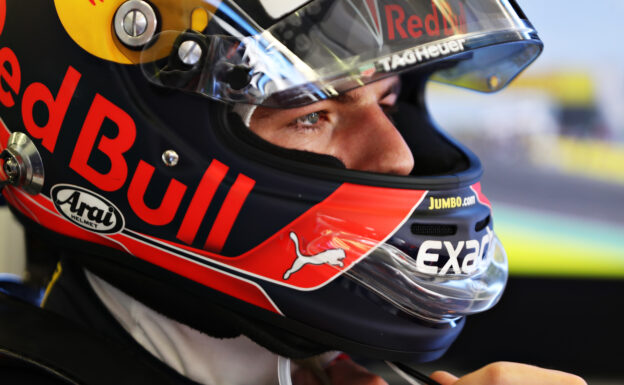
331, 46
427, 288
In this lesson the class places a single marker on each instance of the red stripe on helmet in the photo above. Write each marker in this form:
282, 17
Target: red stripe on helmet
4, 133
354, 218
227, 283
211, 180
229, 212
480, 196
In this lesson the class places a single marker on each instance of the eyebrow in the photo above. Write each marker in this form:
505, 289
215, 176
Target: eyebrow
347, 98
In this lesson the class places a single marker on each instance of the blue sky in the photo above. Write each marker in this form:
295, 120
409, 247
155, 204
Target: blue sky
578, 33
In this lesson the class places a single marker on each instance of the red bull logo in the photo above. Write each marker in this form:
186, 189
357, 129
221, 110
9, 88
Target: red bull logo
87, 209
402, 21
443, 20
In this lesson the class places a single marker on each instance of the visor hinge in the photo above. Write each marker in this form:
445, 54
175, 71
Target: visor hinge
237, 76
135, 23
22, 164
185, 62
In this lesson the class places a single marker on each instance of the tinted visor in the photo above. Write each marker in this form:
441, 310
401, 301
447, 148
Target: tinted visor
331, 46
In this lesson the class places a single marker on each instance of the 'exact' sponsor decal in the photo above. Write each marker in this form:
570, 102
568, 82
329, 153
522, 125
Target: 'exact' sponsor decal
87, 209
464, 257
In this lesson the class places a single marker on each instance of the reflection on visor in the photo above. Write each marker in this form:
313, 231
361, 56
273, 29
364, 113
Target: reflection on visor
431, 293
330, 46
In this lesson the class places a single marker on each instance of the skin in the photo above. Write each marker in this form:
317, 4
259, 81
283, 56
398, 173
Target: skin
499, 373
356, 128
341, 372
509, 373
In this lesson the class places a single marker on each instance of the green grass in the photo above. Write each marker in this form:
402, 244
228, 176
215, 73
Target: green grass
543, 244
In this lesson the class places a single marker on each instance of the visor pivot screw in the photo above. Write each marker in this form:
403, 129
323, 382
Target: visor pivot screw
190, 52
135, 23
23, 165
170, 158
11, 169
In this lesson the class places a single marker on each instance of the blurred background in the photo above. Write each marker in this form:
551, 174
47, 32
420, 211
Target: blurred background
552, 145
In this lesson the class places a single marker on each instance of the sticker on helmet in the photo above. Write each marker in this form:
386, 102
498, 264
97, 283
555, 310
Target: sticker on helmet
420, 54
90, 24
87, 209
465, 257
402, 21
443, 20
451, 202
333, 257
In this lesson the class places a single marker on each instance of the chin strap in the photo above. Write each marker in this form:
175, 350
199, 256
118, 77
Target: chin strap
409, 374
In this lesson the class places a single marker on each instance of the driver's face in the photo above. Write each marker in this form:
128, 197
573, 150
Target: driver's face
353, 127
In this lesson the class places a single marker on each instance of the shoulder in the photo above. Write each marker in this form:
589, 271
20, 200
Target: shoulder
17, 370
41, 347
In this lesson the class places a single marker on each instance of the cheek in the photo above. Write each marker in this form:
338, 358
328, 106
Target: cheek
344, 147
353, 129
313, 140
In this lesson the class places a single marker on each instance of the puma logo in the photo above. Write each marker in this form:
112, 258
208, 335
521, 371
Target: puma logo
332, 257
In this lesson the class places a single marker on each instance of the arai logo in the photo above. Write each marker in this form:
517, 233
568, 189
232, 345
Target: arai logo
87, 209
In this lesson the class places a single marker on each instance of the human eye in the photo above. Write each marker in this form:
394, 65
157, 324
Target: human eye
388, 101
389, 106
389, 109
310, 121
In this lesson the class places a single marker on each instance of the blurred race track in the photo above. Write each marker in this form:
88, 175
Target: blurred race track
556, 224
564, 235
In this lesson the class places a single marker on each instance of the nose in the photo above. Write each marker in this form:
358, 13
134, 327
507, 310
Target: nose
376, 145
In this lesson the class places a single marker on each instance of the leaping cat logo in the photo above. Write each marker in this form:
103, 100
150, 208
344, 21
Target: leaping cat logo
332, 257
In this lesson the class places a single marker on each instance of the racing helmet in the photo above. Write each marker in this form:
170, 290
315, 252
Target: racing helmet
125, 138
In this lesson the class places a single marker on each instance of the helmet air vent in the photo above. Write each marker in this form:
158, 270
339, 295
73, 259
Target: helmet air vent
433, 229
482, 224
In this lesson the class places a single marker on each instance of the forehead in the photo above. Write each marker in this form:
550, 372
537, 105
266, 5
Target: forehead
378, 89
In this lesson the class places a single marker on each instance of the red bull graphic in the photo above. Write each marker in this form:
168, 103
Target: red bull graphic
328, 237
92, 140
393, 21
442, 21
